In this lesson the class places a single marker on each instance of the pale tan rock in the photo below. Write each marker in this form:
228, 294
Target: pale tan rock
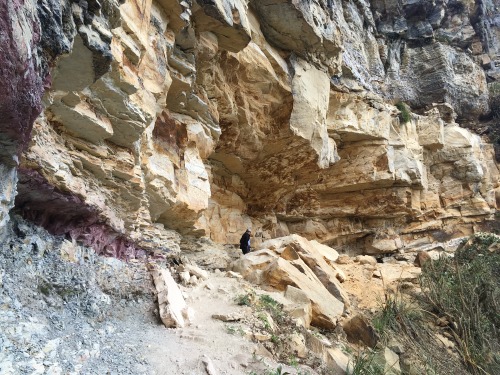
444, 341
296, 295
232, 317
311, 88
185, 277
234, 275
252, 265
366, 259
388, 361
328, 253
337, 360
297, 345
196, 271
300, 313
69, 251
200, 121
300, 308
377, 274
261, 336
174, 311
326, 308
430, 130
261, 351
309, 252
318, 345
344, 259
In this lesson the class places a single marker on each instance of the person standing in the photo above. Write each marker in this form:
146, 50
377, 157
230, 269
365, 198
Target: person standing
245, 241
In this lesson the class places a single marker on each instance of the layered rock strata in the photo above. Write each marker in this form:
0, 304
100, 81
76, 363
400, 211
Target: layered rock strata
163, 118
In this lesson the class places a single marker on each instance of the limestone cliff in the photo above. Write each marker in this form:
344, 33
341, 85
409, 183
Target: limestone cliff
162, 118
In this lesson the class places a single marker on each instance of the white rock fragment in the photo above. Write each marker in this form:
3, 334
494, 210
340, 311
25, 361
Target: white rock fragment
209, 366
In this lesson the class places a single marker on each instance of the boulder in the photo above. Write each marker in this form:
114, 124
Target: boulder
298, 266
314, 255
325, 307
252, 264
299, 308
359, 329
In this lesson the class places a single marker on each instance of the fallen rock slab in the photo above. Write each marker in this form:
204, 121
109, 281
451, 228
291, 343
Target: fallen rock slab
174, 311
326, 308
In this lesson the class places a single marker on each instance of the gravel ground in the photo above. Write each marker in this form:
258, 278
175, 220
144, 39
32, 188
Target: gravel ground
64, 310
67, 317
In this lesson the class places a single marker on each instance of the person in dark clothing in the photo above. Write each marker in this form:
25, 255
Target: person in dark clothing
245, 242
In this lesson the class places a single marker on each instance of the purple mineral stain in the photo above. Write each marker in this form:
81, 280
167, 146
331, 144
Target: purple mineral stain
63, 213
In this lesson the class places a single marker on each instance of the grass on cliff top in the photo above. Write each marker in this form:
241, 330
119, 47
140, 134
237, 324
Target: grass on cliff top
466, 290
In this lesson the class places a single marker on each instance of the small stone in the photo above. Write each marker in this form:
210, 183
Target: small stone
340, 275
297, 345
233, 317
196, 271
209, 366
444, 341
366, 259
184, 276
262, 336
337, 360
344, 259
234, 275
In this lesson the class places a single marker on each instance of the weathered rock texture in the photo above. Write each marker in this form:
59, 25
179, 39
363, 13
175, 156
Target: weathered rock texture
291, 263
163, 117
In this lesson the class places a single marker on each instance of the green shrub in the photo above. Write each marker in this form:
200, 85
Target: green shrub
364, 364
404, 113
466, 289
397, 314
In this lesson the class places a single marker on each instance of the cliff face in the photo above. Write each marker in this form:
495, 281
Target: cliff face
163, 118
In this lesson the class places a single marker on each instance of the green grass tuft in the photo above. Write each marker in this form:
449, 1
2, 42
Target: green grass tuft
405, 114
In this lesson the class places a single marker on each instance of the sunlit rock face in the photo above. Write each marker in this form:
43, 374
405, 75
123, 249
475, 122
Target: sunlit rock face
162, 118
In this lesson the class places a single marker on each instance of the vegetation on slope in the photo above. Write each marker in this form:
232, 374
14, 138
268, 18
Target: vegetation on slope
466, 290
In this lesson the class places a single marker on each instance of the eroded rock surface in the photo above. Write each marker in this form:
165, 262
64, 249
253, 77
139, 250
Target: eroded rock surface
163, 118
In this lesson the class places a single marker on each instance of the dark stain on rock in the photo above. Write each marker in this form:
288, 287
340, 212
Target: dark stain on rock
170, 135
